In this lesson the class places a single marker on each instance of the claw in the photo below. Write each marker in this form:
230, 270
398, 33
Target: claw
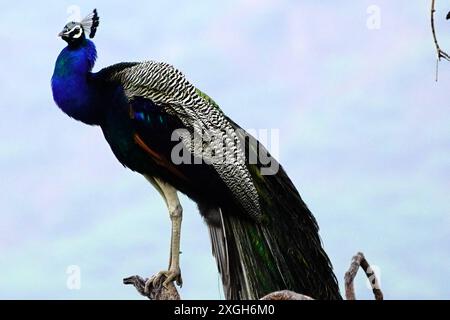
173, 276
168, 276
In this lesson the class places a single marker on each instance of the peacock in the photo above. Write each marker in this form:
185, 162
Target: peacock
157, 123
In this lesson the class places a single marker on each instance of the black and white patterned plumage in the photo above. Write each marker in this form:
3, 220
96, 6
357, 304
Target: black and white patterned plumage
166, 86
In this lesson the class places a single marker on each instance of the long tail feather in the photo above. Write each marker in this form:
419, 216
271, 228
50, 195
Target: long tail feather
284, 251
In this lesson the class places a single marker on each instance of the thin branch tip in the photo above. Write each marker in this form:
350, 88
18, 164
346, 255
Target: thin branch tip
440, 53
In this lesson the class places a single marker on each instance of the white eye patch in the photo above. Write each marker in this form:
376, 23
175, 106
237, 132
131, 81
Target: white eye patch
78, 31
77, 35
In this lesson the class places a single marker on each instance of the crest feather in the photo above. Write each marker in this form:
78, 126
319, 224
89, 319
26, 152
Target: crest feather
90, 23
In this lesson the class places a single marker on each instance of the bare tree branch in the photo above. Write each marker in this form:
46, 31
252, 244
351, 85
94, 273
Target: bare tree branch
158, 292
439, 52
360, 261
285, 295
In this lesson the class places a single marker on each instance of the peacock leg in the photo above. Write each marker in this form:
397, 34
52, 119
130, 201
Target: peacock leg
170, 196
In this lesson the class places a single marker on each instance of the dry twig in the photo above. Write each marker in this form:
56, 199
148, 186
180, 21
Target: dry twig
360, 261
439, 52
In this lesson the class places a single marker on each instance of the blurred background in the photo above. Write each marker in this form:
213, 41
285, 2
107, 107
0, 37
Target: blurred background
364, 134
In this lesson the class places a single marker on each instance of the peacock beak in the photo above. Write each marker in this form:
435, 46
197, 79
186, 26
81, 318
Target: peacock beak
63, 33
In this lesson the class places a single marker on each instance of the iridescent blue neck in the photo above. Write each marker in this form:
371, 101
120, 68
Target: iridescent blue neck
72, 89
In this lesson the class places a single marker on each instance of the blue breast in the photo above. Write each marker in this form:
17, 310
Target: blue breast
72, 91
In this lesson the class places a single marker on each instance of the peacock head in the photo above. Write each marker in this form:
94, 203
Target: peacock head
75, 32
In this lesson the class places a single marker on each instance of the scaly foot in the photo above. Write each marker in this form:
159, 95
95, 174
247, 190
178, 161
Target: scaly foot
173, 274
